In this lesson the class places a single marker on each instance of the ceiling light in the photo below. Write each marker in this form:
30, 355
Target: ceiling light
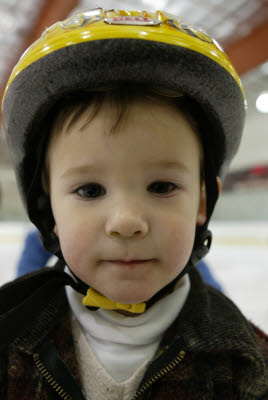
262, 102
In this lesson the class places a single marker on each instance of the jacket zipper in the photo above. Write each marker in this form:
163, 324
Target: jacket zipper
49, 378
159, 374
164, 371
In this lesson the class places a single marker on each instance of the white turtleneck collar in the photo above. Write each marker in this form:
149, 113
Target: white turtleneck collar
122, 344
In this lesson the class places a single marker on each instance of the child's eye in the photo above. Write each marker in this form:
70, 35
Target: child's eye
91, 190
162, 187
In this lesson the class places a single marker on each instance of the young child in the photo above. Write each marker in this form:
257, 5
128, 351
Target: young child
120, 126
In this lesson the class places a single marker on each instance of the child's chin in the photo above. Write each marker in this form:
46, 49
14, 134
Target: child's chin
127, 296
126, 299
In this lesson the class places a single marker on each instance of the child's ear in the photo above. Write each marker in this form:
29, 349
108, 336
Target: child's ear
219, 185
55, 230
202, 211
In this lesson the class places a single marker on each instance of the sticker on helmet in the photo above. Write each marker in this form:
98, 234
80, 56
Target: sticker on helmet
132, 20
83, 18
186, 28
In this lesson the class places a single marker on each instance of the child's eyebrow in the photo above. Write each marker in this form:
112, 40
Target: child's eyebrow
81, 170
85, 169
167, 164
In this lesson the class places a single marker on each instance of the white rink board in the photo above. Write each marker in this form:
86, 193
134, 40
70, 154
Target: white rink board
238, 259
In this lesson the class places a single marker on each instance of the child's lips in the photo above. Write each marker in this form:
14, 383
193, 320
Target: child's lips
131, 262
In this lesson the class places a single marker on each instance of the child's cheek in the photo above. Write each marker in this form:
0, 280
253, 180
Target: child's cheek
71, 242
178, 243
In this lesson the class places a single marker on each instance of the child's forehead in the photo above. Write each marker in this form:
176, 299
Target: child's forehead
110, 116
116, 107
145, 127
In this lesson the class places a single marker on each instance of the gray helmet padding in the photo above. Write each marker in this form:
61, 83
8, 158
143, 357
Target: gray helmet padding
105, 63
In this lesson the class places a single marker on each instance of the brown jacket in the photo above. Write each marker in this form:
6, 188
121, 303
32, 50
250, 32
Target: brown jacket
211, 352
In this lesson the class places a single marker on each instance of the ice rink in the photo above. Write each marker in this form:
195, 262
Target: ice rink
238, 260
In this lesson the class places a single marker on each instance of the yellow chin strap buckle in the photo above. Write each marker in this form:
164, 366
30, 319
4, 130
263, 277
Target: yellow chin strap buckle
95, 299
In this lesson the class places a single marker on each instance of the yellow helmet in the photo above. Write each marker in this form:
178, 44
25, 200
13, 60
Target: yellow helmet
98, 50
99, 24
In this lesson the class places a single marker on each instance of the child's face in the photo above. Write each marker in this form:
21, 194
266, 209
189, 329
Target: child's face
132, 195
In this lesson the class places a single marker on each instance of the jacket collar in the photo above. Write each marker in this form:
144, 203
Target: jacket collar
211, 323
47, 321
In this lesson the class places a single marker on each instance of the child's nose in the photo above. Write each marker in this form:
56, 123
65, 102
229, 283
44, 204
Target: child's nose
126, 225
